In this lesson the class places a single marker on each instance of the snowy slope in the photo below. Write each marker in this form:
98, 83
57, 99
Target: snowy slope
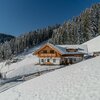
76, 82
25, 66
93, 44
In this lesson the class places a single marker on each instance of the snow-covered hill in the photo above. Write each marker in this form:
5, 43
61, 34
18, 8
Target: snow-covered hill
93, 44
80, 81
76, 82
27, 64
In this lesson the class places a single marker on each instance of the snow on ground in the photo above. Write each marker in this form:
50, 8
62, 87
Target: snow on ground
25, 66
80, 81
93, 44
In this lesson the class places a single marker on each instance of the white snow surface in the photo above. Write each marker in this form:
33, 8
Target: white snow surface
93, 45
80, 81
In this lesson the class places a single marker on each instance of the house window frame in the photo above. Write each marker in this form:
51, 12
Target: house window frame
75, 59
48, 60
54, 60
44, 51
42, 60
52, 51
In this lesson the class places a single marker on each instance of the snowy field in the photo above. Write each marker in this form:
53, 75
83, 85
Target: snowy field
26, 66
76, 82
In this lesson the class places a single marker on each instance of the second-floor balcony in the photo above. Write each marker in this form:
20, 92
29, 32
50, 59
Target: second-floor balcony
47, 55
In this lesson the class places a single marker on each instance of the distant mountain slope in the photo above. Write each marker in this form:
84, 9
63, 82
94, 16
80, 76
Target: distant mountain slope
93, 44
80, 29
76, 82
5, 37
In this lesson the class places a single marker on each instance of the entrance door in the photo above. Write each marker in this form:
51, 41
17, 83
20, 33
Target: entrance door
66, 61
48, 61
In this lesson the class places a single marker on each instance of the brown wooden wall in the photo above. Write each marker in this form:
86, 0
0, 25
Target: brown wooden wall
48, 54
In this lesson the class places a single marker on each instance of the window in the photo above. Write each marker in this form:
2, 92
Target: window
74, 59
54, 60
51, 51
44, 51
71, 61
48, 60
42, 60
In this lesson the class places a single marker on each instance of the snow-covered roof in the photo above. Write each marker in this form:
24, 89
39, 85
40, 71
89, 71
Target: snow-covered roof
80, 48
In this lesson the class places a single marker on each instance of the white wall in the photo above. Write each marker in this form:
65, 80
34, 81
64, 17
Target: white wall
57, 60
78, 59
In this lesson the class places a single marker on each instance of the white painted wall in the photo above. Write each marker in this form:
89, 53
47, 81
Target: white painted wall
40, 61
57, 60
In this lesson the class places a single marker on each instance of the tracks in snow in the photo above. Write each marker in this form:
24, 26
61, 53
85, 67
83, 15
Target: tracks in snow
20, 79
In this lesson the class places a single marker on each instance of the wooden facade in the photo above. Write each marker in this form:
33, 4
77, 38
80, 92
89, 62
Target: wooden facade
48, 51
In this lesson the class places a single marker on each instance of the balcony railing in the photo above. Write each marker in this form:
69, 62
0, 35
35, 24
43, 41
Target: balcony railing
48, 55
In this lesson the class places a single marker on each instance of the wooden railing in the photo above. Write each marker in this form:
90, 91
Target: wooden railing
47, 55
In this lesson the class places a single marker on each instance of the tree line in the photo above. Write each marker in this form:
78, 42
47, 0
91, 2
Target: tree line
80, 29
11, 48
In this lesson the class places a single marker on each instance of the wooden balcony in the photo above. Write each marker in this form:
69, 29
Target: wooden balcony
47, 55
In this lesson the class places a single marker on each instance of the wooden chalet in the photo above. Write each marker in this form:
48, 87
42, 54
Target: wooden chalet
60, 54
